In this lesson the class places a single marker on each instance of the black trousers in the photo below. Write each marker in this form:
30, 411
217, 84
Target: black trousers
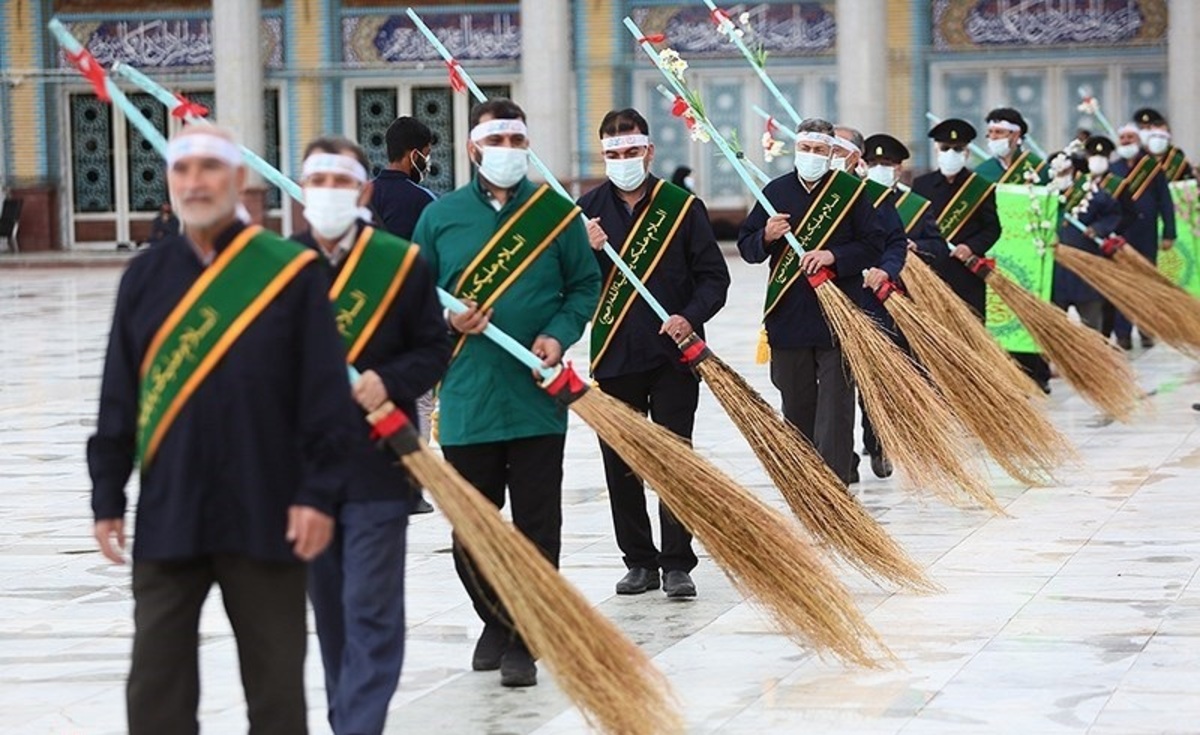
265, 605
1034, 365
818, 397
532, 471
670, 397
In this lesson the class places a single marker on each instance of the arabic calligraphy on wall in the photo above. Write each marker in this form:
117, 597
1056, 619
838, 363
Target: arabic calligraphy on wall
788, 29
968, 24
162, 44
369, 40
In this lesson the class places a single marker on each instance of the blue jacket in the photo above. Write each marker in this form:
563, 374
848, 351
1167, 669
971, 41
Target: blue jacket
1154, 205
1103, 214
398, 201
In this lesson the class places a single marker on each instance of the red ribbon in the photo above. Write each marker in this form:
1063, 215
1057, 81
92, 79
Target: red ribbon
982, 267
91, 70
567, 385
457, 83
388, 425
771, 125
680, 108
693, 351
187, 108
1112, 244
886, 290
653, 38
719, 16
821, 276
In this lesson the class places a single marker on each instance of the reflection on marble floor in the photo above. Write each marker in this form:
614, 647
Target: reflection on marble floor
1079, 613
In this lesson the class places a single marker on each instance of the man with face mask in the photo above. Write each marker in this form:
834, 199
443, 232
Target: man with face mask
395, 336
517, 254
1146, 186
1155, 135
964, 204
1010, 163
806, 365
225, 382
397, 197
663, 233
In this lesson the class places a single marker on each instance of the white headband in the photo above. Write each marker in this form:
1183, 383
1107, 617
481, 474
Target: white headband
203, 145
498, 127
845, 144
334, 163
817, 138
1004, 125
625, 141
1129, 128
1157, 133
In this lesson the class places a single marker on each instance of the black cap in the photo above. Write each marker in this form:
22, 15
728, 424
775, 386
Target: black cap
406, 134
1098, 145
1009, 115
1149, 116
882, 145
953, 131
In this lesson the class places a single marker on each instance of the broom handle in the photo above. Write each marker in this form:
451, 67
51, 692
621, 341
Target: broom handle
163, 95
784, 131
1074, 222
612, 254
754, 169
727, 28
713, 133
975, 147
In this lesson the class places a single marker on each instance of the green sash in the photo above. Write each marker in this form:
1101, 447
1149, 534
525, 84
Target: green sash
1015, 174
514, 247
824, 215
367, 285
911, 207
1071, 198
964, 203
1139, 179
226, 298
1174, 164
876, 192
643, 249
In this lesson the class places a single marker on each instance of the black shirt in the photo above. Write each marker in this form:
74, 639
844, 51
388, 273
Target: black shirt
398, 201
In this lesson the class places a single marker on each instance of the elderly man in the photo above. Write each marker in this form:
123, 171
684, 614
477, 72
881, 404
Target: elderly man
224, 383
516, 254
806, 364
395, 336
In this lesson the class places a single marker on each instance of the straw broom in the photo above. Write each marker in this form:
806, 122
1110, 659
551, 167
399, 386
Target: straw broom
811, 489
914, 424
1164, 312
1097, 371
1012, 430
933, 296
1125, 254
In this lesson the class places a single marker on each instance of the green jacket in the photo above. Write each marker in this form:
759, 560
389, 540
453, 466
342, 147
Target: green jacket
487, 395
993, 168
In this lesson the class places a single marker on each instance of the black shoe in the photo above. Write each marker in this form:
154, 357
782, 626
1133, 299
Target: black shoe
678, 584
1045, 387
854, 476
490, 648
1147, 341
517, 668
421, 506
637, 580
881, 465
1125, 343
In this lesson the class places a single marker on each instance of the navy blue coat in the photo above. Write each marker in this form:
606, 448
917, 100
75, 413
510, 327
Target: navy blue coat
410, 351
268, 428
691, 280
1103, 215
891, 259
398, 201
856, 244
979, 234
1153, 205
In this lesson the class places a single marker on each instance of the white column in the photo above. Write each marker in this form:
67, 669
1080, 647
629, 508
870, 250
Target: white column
546, 81
239, 72
862, 64
1183, 73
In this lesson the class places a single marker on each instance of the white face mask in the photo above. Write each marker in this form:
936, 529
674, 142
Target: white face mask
999, 147
1097, 165
331, 212
689, 182
885, 175
1127, 151
811, 166
1158, 144
950, 162
502, 166
837, 164
1144, 135
627, 174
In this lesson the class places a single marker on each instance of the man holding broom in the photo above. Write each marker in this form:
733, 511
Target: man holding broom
664, 235
391, 324
806, 365
517, 254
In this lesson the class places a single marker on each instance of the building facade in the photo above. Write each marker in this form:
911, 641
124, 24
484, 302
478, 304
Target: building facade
88, 179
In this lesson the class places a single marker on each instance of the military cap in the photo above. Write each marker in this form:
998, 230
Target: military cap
882, 145
953, 131
1149, 116
1098, 145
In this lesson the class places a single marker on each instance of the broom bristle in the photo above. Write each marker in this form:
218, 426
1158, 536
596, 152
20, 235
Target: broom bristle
1096, 370
1014, 432
1135, 261
813, 492
755, 545
613, 682
936, 297
915, 426
1166, 313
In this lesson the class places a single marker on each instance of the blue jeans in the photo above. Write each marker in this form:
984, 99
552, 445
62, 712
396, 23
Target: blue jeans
357, 593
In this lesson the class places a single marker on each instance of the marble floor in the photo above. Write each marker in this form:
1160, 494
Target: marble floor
1078, 613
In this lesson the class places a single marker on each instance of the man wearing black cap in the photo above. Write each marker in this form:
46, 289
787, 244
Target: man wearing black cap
965, 206
1010, 164
1155, 135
